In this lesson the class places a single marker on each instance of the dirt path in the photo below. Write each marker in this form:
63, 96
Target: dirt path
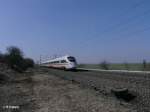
42, 92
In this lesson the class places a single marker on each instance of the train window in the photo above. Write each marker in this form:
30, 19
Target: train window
72, 59
56, 62
63, 61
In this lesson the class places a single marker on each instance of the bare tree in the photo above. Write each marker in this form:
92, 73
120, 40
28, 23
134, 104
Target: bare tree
104, 65
144, 64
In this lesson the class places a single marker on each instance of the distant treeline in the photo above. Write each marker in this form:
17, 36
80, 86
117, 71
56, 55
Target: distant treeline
14, 58
143, 66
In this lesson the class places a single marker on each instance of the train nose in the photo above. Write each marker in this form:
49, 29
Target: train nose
73, 64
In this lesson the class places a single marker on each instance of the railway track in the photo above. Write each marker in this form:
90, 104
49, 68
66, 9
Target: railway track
104, 82
116, 71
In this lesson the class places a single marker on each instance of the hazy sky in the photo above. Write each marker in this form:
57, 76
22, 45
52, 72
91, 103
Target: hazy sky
91, 30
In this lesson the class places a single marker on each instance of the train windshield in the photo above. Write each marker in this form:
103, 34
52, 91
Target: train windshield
72, 59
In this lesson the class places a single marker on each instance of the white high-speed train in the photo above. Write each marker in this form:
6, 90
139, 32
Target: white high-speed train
65, 62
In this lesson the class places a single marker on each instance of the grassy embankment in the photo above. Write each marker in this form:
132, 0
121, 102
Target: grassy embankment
118, 66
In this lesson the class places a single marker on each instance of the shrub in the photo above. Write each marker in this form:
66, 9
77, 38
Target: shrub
104, 65
29, 62
14, 58
1, 58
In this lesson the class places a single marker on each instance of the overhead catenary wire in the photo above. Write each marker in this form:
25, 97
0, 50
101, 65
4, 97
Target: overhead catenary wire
134, 33
125, 22
130, 19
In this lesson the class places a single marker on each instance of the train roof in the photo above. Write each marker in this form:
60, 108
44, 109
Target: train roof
56, 59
